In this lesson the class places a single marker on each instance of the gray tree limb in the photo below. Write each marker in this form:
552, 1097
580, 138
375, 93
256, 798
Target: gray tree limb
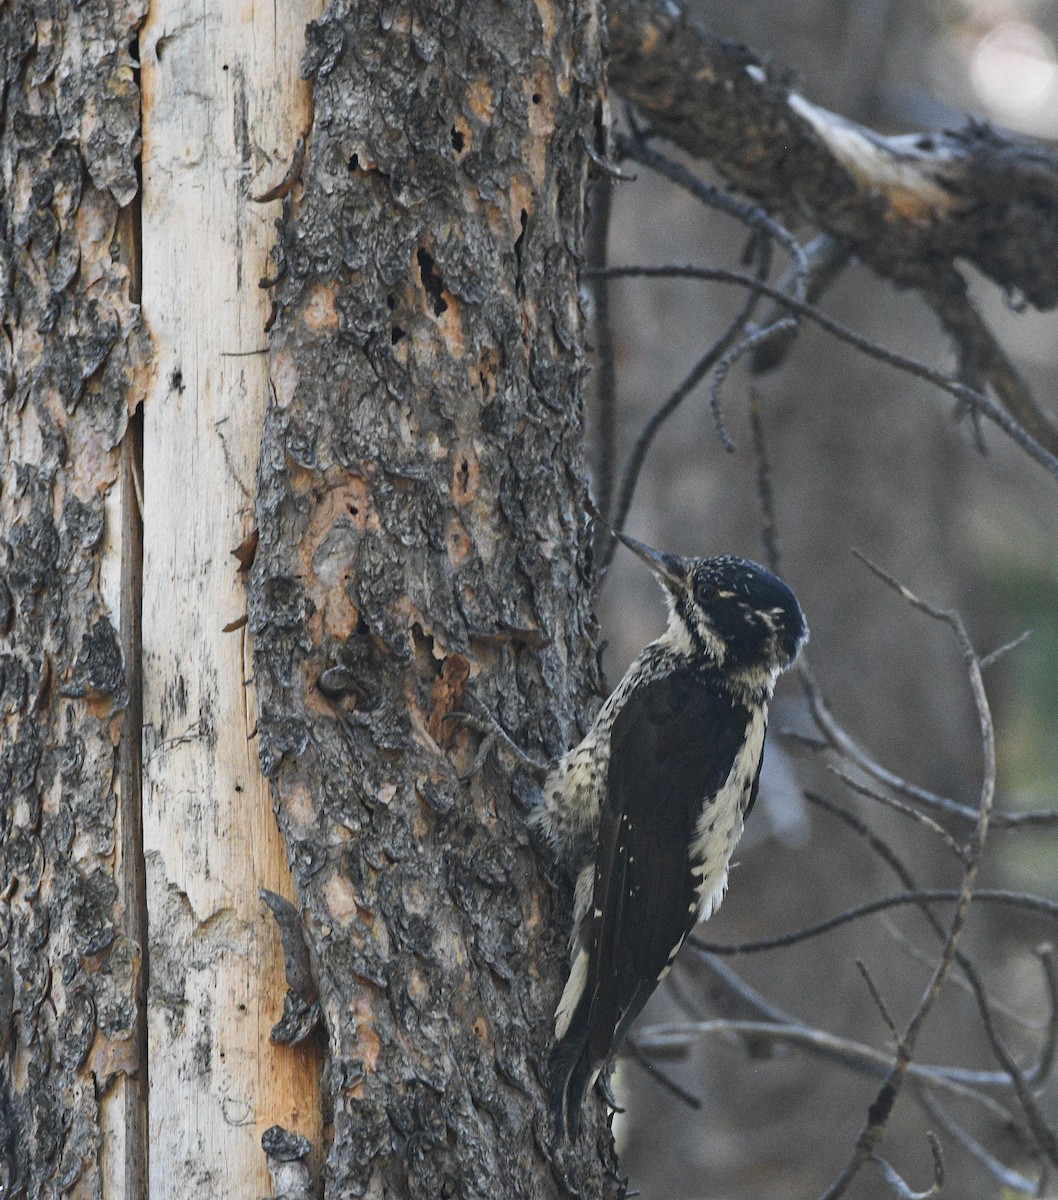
900, 203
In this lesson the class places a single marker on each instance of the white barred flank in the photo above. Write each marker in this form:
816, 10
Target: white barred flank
720, 824
572, 992
579, 948
571, 799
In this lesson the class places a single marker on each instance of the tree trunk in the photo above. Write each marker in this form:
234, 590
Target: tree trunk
78, 1104
72, 367
423, 553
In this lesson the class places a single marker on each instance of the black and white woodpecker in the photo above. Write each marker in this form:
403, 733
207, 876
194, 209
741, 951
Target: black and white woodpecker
649, 806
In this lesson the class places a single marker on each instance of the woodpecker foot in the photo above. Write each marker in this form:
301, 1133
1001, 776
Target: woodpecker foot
488, 744
603, 1084
494, 734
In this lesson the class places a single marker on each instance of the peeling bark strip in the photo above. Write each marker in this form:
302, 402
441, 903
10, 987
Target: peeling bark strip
905, 204
421, 553
72, 366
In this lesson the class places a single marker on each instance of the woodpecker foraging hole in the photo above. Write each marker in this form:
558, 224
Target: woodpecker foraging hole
649, 806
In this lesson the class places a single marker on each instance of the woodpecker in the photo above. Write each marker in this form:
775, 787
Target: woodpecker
649, 806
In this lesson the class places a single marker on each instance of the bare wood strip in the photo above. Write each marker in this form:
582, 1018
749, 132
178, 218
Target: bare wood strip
223, 110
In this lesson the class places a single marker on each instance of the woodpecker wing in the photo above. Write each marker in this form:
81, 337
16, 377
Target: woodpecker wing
671, 751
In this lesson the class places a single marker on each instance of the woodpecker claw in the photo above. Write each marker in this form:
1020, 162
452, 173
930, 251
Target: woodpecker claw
605, 1090
494, 733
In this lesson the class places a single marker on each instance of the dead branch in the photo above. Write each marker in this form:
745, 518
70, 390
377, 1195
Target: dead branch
909, 207
896, 202
749, 999
880, 1110
984, 359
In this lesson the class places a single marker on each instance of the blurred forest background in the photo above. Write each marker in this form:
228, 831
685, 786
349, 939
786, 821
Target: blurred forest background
861, 456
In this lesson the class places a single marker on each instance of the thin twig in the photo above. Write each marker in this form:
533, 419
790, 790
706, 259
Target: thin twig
1042, 1134
1021, 900
662, 1077
906, 810
677, 1035
845, 745
1005, 649
605, 364
1042, 1070
997, 415
920, 956
1007, 1177
650, 430
900, 1187
749, 214
769, 527
745, 993
878, 999
684, 999
966, 372
827, 258
754, 338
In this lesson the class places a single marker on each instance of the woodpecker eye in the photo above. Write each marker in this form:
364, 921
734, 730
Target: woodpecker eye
704, 591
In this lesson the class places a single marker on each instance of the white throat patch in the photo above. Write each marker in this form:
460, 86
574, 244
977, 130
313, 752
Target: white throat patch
678, 636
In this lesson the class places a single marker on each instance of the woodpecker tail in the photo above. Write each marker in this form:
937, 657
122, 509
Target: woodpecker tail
570, 1073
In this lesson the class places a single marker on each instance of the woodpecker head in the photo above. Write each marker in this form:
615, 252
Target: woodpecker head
741, 616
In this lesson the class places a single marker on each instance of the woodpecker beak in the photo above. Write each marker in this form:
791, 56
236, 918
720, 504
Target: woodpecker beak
667, 567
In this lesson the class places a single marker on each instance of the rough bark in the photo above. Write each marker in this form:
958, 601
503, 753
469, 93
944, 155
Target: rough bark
71, 369
423, 552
